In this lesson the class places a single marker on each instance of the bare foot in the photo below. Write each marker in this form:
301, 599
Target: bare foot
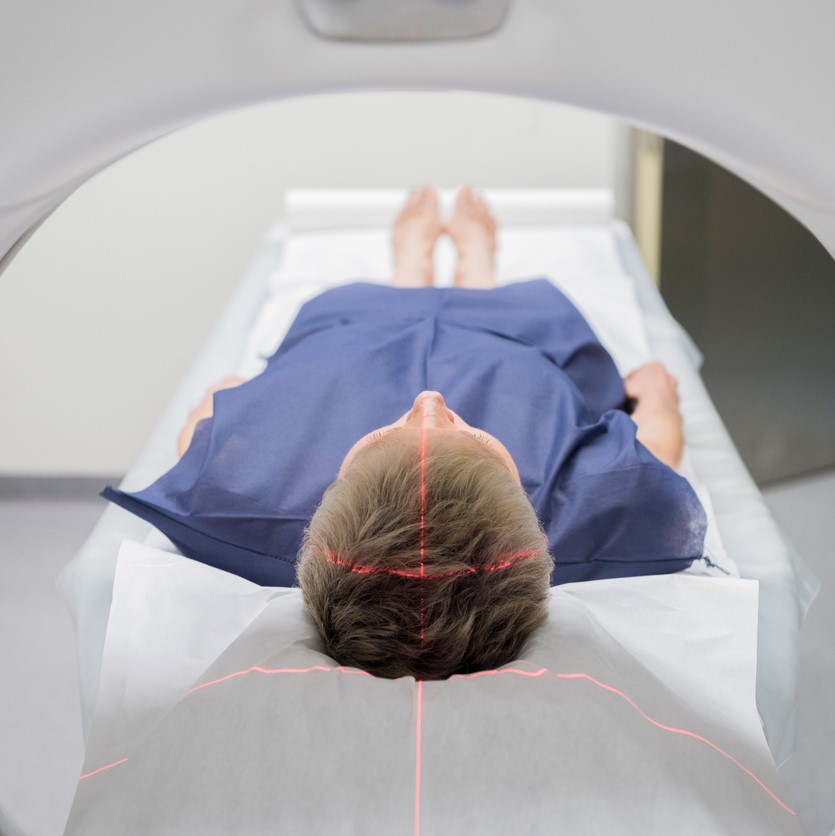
473, 230
414, 234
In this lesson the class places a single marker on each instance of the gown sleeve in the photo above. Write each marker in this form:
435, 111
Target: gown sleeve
616, 510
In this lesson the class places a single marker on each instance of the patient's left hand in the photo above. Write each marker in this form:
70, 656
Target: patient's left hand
657, 412
652, 385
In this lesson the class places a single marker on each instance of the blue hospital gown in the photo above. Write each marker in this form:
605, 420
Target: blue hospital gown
518, 361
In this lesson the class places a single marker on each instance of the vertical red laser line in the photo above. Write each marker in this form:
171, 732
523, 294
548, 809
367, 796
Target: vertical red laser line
420, 683
417, 758
422, 513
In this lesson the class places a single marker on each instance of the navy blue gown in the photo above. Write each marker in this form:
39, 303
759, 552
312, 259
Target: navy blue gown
518, 361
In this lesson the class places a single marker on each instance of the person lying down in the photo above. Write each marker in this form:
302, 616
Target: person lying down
426, 462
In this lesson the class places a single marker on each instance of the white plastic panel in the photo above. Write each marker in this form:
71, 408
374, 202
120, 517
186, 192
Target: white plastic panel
745, 83
314, 209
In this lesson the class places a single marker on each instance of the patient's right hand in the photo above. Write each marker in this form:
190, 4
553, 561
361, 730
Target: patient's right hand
204, 410
228, 382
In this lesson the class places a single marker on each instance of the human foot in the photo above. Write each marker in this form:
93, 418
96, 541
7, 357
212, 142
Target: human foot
473, 231
414, 234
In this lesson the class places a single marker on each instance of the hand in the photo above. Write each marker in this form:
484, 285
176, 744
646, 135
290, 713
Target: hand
203, 410
652, 385
657, 414
228, 382
206, 406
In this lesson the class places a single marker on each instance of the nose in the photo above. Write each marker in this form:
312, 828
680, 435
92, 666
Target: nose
429, 410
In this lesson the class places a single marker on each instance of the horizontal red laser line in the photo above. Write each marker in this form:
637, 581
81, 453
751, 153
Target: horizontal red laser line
101, 769
259, 669
470, 570
494, 672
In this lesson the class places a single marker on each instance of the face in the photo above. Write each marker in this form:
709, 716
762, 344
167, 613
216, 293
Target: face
429, 413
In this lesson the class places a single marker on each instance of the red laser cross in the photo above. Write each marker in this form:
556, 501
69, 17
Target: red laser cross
419, 711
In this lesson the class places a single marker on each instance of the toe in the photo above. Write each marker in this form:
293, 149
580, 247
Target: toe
472, 204
464, 203
485, 215
407, 211
431, 200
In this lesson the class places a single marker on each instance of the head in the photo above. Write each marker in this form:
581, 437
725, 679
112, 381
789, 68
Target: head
425, 557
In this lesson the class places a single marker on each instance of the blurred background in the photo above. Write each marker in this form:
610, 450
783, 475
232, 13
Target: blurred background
104, 309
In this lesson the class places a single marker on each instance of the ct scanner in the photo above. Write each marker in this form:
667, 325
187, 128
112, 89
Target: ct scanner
746, 84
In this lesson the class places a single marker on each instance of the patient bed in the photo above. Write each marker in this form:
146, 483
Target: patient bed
129, 695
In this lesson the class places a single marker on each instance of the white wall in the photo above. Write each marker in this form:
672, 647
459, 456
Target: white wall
105, 308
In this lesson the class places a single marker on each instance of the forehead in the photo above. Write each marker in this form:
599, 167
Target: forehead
436, 437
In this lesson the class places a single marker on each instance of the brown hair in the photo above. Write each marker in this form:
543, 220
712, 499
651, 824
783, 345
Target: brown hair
425, 565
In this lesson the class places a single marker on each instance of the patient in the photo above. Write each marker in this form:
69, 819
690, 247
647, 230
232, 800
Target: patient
433, 550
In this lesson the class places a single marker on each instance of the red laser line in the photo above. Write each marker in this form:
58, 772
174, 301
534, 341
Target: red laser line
422, 512
676, 731
510, 560
101, 769
259, 669
361, 569
494, 672
518, 672
417, 757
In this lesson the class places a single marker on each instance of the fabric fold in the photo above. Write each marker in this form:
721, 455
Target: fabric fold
518, 361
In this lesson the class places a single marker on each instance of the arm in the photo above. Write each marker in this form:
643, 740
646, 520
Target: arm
657, 412
203, 410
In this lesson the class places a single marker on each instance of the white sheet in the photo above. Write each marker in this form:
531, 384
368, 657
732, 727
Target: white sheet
173, 617
682, 649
